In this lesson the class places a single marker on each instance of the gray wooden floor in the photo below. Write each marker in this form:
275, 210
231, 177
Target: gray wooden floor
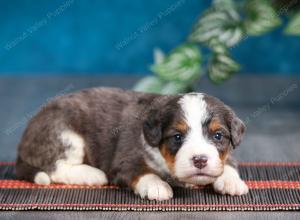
270, 107
37, 215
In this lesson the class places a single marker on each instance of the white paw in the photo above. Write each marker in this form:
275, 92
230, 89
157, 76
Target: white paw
93, 176
79, 174
230, 183
152, 187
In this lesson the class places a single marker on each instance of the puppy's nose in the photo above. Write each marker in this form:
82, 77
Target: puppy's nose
200, 161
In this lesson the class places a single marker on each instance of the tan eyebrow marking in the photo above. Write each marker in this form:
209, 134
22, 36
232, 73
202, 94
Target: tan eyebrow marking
182, 127
215, 125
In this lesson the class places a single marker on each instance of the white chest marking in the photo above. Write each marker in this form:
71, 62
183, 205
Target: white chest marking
154, 159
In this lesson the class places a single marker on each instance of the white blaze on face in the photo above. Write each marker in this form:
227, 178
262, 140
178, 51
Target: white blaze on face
195, 113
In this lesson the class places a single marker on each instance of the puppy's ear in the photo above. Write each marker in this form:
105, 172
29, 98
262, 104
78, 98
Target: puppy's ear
152, 127
237, 129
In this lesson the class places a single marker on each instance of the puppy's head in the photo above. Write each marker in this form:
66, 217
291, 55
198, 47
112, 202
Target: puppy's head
195, 134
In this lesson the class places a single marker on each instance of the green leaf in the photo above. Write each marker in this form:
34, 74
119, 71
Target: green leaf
261, 17
174, 88
150, 84
222, 23
217, 47
221, 67
293, 27
182, 64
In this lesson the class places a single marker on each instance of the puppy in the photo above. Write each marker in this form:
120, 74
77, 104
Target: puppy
142, 141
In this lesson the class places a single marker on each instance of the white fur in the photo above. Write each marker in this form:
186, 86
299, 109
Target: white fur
195, 113
74, 147
230, 182
154, 158
42, 178
152, 187
70, 170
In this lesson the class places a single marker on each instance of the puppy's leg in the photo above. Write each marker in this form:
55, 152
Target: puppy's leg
230, 182
153, 187
71, 170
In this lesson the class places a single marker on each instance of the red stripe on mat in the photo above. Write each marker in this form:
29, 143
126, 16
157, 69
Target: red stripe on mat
9, 163
149, 205
274, 164
258, 164
19, 184
273, 184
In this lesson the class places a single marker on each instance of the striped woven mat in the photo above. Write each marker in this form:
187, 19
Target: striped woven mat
273, 186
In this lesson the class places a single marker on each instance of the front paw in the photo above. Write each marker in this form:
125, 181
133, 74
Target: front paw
152, 187
230, 183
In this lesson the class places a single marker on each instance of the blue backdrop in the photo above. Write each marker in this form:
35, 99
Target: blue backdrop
117, 36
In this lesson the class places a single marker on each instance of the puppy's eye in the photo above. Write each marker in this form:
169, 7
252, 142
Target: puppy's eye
178, 138
218, 136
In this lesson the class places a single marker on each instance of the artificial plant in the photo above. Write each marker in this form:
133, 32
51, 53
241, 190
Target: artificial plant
225, 24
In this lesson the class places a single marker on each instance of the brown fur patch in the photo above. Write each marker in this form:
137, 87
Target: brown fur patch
224, 155
85, 158
170, 159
